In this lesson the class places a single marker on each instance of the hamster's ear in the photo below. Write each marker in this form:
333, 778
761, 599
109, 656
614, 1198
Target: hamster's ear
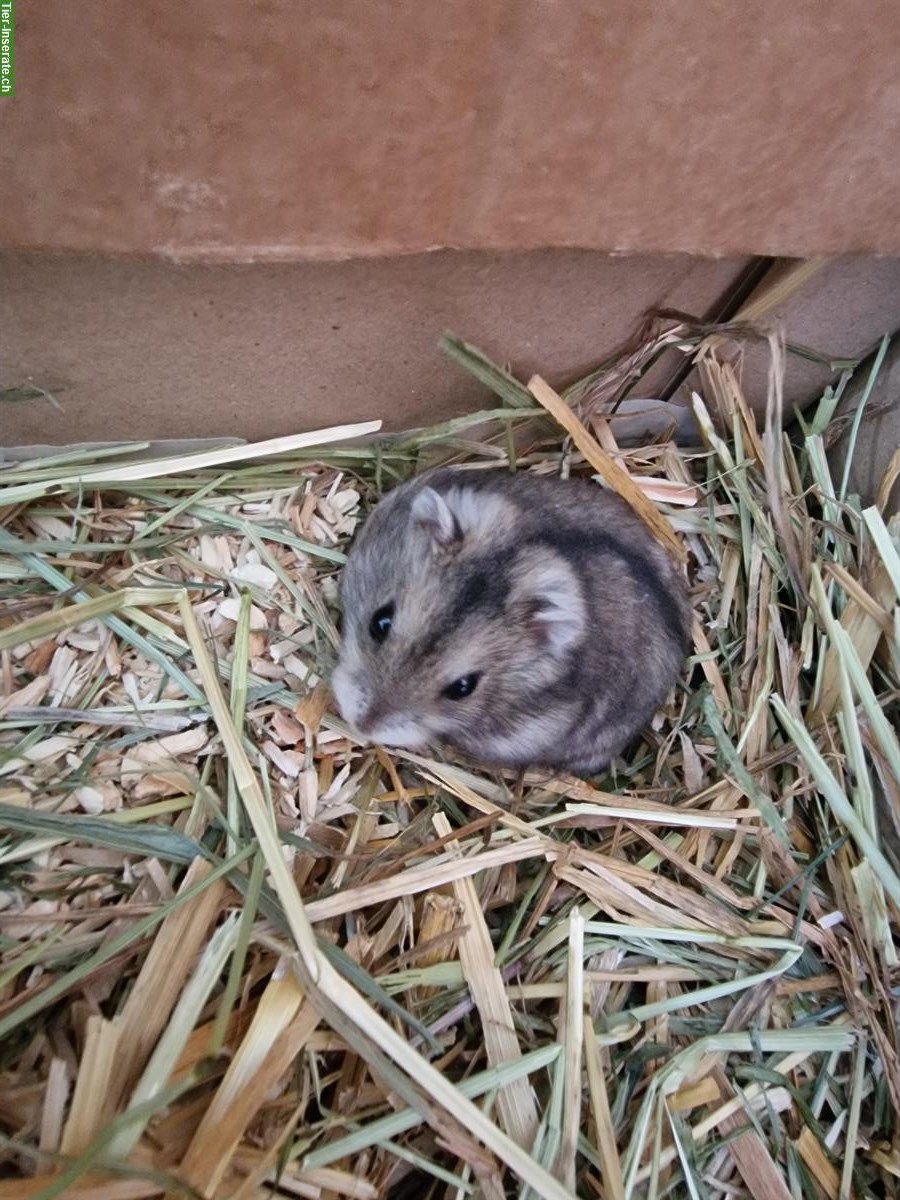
433, 513
548, 595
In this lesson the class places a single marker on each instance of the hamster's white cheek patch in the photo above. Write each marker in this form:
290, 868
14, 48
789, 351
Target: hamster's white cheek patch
405, 735
529, 740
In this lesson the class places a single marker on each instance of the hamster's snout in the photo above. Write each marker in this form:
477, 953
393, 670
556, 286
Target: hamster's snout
374, 721
347, 696
399, 732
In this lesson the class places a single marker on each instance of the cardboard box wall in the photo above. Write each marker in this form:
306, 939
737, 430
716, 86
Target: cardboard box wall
221, 218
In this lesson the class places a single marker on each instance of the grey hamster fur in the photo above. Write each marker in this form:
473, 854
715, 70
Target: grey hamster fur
523, 621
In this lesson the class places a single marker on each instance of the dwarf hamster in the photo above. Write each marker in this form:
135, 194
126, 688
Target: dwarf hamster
524, 621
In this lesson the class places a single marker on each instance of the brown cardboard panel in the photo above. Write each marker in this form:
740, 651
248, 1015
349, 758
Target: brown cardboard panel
287, 129
141, 348
277, 129
753, 126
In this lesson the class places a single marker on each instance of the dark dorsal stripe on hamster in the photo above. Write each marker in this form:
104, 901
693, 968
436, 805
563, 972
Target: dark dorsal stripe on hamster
577, 547
484, 589
486, 586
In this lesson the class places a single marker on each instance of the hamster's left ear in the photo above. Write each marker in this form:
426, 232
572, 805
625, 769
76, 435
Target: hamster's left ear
433, 513
460, 516
547, 595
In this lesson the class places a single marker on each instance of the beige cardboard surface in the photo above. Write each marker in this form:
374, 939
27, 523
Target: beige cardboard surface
124, 349
842, 311
288, 129
140, 348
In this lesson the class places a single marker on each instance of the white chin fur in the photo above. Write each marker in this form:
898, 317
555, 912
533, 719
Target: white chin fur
405, 735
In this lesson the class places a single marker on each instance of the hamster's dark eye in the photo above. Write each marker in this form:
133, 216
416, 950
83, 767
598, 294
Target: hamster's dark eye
462, 687
382, 619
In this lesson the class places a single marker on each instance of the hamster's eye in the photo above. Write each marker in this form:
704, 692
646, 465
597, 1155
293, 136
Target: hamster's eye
382, 619
462, 687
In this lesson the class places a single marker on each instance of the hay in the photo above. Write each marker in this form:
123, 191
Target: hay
243, 955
